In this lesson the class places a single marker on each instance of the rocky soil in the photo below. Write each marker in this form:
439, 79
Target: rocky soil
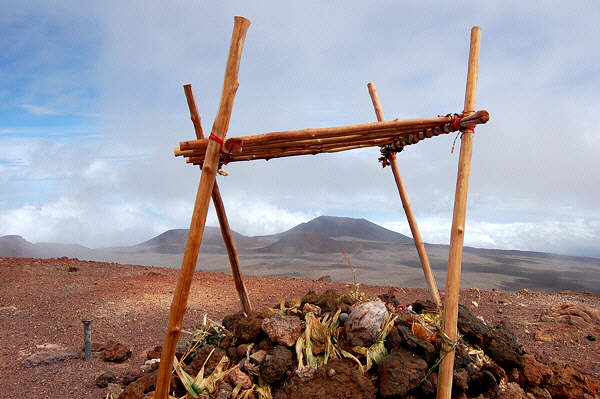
42, 302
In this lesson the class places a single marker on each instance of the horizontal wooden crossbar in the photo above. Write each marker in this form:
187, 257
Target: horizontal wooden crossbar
397, 133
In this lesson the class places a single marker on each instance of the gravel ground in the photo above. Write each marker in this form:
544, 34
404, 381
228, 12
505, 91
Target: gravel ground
42, 301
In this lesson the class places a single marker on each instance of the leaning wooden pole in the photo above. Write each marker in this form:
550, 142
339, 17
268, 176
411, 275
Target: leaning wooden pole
457, 233
209, 171
412, 222
232, 252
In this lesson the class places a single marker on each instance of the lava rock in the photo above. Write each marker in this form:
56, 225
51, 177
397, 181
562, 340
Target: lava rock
116, 352
421, 347
241, 350
258, 356
460, 381
310, 297
462, 360
533, 372
310, 308
339, 378
568, 383
305, 373
539, 393
129, 376
137, 389
224, 392
265, 343
154, 353
50, 354
104, 379
276, 364
483, 382
230, 320
347, 299
472, 328
248, 329
329, 301
502, 347
364, 322
238, 377
499, 342
200, 359
495, 369
421, 306
512, 391
282, 329
389, 297
400, 372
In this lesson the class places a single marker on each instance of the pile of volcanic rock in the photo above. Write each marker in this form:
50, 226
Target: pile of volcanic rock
262, 344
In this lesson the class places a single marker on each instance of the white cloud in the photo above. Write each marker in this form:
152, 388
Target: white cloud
68, 220
38, 110
577, 236
534, 166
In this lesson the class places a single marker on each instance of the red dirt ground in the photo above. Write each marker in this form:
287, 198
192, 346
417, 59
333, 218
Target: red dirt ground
42, 302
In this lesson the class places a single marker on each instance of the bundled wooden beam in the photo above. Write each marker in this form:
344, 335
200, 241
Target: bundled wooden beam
398, 133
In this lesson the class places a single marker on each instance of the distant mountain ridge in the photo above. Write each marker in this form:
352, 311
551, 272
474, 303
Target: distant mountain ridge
324, 234
174, 241
16, 246
335, 226
314, 249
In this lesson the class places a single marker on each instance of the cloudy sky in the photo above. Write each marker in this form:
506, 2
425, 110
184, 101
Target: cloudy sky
91, 106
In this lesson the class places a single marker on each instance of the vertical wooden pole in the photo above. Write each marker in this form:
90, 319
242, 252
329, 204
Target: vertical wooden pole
209, 171
458, 222
412, 222
232, 252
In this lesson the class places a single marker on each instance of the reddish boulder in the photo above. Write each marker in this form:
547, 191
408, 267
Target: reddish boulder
248, 329
276, 365
400, 372
538, 393
533, 372
130, 376
568, 383
337, 379
116, 352
104, 379
327, 301
154, 353
225, 391
282, 329
512, 391
238, 377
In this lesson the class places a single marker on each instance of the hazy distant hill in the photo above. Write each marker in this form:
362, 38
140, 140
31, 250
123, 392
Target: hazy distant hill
174, 241
333, 226
17, 246
302, 242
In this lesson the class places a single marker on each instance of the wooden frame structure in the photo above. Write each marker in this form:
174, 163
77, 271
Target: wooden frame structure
391, 136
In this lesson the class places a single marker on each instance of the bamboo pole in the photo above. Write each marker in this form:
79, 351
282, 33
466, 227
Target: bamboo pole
412, 222
234, 261
458, 223
205, 187
315, 133
334, 135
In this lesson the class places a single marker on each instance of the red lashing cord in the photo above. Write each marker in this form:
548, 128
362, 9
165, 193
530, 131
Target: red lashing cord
216, 139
